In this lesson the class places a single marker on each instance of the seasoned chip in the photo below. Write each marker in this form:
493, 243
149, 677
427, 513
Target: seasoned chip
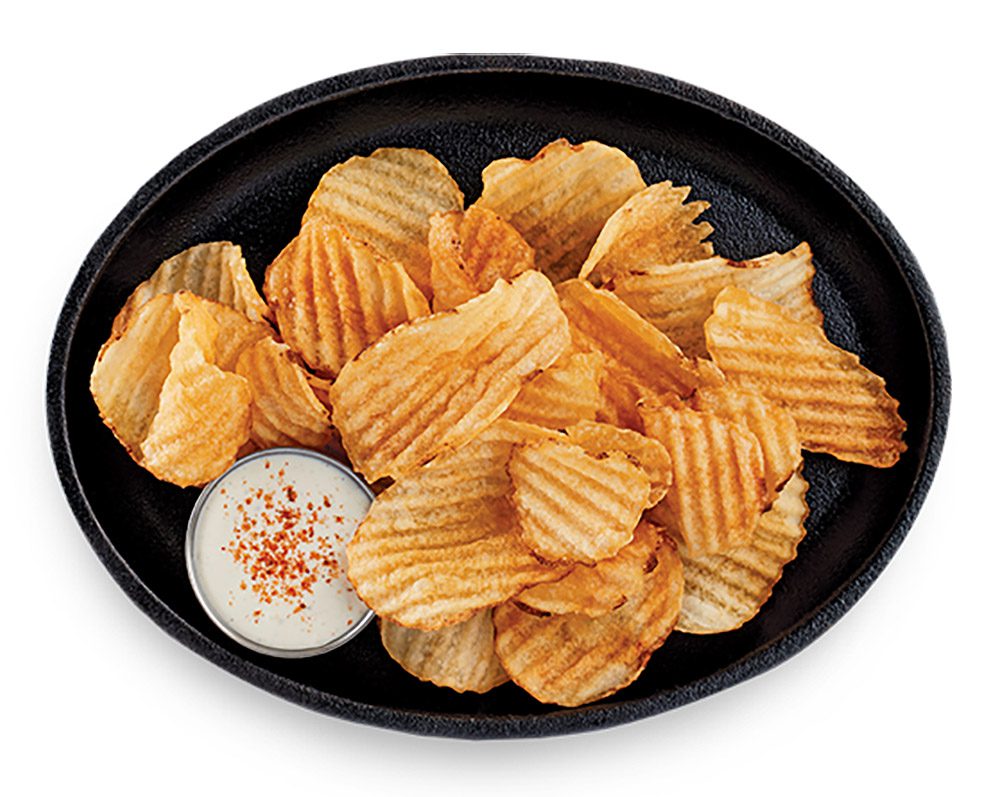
559, 199
678, 298
563, 394
203, 418
640, 361
236, 333
573, 505
285, 411
772, 425
839, 406
595, 590
647, 453
460, 656
718, 492
387, 200
215, 270
572, 659
443, 542
654, 226
470, 251
723, 591
463, 368
333, 295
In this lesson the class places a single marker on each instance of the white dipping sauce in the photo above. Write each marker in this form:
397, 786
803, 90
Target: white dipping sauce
266, 552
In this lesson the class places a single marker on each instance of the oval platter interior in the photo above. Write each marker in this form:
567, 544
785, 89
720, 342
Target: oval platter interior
249, 182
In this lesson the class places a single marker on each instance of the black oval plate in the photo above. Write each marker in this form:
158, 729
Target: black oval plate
249, 181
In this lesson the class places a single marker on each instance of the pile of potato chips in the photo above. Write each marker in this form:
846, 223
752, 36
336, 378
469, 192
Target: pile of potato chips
586, 428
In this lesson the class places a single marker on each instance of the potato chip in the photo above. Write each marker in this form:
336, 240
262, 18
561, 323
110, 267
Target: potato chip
284, 411
470, 251
236, 333
333, 295
678, 298
840, 407
595, 590
566, 392
573, 505
463, 368
559, 199
387, 200
443, 542
647, 453
772, 425
640, 361
159, 391
460, 656
655, 226
203, 418
216, 271
723, 591
572, 659
718, 492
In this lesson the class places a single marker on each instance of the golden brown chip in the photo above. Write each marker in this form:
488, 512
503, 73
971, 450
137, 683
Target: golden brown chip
470, 251
718, 492
333, 295
387, 200
131, 368
641, 363
654, 226
559, 199
563, 394
573, 505
678, 298
285, 411
647, 453
215, 270
460, 656
773, 426
443, 542
840, 407
236, 333
723, 591
595, 590
203, 418
435, 383
572, 659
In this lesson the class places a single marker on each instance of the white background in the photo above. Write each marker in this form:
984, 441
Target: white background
899, 695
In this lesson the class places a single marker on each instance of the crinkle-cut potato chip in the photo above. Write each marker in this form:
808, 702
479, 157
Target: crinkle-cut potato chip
678, 298
563, 394
840, 407
559, 199
470, 251
595, 590
654, 226
640, 361
647, 453
215, 271
773, 426
459, 656
572, 659
573, 505
387, 200
284, 411
333, 295
724, 591
462, 369
718, 492
443, 542
203, 418
236, 332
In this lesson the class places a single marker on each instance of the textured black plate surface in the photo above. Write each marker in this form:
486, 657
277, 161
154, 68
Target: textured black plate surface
248, 182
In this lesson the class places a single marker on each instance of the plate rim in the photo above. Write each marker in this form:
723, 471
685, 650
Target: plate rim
575, 720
